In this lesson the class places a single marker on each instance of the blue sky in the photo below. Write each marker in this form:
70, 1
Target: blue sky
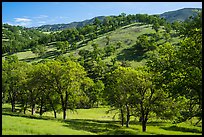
31, 14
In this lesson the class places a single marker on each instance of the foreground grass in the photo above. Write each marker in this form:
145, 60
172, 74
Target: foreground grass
86, 122
28, 126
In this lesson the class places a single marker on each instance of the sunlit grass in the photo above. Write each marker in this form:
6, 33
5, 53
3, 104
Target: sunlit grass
88, 121
94, 113
26, 126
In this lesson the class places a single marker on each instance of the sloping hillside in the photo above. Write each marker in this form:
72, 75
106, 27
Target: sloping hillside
18, 38
179, 15
57, 27
127, 35
170, 16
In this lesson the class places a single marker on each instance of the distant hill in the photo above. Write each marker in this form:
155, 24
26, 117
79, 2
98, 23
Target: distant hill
170, 16
57, 27
179, 15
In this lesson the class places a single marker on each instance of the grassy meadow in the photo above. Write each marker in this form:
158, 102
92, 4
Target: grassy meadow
94, 121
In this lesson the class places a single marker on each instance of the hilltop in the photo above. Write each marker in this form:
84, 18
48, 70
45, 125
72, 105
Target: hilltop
179, 15
170, 16
57, 27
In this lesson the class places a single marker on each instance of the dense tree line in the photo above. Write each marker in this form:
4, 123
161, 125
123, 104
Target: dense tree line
17, 38
178, 69
45, 85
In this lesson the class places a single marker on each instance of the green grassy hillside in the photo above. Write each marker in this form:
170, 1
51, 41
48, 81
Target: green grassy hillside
127, 35
13, 125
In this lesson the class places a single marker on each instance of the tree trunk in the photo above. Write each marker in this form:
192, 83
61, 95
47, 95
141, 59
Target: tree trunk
97, 104
13, 105
140, 120
24, 109
128, 116
63, 106
53, 108
55, 113
143, 118
41, 107
64, 113
144, 122
33, 109
12, 97
122, 116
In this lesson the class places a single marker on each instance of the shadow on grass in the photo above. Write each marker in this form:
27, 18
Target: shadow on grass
182, 129
47, 55
30, 59
98, 126
155, 123
50, 54
132, 25
94, 126
131, 54
7, 111
150, 123
104, 127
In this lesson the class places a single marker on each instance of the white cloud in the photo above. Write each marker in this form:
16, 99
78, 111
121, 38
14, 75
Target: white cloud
26, 22
22, 20
41, 16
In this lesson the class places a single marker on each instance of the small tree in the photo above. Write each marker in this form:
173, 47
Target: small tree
74, 45
167, 36
81, 37
109, 50
108, 40
156, 26
62, 46
167, 27
119, 44
39, 50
